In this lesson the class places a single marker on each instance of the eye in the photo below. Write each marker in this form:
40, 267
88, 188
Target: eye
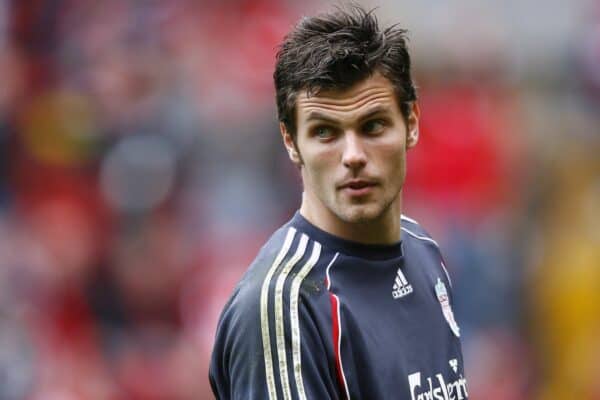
374, 127
323, 132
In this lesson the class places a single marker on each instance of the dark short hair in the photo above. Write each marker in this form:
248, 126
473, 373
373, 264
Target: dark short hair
336, 51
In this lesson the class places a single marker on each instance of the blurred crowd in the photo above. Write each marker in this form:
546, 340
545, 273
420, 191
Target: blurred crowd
141, 169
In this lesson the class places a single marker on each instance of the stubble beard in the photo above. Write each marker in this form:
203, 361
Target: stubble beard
364, 213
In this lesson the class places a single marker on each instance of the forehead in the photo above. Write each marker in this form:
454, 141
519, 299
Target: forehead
374, 92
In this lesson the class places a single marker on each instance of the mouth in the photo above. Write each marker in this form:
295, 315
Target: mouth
358, 187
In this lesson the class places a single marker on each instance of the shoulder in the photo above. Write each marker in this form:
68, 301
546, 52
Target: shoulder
413, 230
415, 236
238, 338
267, 302
277, 273
288, 256
245, 298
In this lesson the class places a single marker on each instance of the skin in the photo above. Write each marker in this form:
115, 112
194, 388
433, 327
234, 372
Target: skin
351, 150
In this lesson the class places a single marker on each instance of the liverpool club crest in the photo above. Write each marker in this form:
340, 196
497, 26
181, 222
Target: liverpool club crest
442, 295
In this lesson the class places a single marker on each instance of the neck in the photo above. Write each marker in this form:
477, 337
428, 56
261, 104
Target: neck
383, 229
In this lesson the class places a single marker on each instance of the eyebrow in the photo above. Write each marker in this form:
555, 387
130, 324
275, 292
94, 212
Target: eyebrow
316, 115
373, 112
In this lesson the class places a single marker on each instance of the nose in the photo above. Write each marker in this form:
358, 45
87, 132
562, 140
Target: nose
354, 156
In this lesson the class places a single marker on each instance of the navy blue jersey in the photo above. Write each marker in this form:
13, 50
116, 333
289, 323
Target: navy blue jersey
319, 317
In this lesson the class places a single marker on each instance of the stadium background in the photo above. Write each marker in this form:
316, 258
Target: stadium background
141, 169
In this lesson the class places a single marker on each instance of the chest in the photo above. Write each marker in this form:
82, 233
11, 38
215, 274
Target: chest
397, 329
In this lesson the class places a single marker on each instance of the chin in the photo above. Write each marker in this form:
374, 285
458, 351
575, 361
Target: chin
360, 214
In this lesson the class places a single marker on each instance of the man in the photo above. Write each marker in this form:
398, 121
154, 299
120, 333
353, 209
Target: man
349, 299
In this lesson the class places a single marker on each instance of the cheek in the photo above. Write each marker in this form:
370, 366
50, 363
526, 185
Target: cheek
319, 160
319, 168
392, 160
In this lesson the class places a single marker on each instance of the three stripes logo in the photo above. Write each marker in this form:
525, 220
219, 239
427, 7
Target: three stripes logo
401, 286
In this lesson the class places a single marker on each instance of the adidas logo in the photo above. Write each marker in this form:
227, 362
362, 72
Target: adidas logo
401, 286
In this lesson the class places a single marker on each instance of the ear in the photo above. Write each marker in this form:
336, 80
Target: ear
412, 134
289, 144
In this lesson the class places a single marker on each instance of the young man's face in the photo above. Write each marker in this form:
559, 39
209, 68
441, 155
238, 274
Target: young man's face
351, 146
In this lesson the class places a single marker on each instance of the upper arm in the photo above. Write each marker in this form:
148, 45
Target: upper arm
262, 356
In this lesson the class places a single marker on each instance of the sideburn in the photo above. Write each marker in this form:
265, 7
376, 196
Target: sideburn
295, 141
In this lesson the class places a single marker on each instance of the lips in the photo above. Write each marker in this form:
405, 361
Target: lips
358, 187
357, 184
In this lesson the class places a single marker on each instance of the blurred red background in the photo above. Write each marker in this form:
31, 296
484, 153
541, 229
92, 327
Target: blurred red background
141, 169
